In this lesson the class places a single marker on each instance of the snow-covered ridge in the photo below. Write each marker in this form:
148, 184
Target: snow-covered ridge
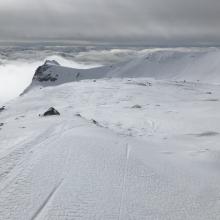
52, 73
116, 148
201, 66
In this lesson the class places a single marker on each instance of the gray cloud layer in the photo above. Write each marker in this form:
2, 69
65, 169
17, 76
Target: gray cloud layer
145, 21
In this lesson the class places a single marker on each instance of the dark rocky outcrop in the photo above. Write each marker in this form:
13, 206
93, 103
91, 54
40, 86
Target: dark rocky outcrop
51, 111
94, 122
40, 72
137, 106
2, 108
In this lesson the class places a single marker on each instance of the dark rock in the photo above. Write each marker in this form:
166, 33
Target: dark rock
1, 124
94, 122
137, 106
51, 111
78, 115
77, 75
51, 63
2, 108
40, 72
207, 134
47, 78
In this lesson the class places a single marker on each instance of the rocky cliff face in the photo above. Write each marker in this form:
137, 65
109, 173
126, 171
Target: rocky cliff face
43, 74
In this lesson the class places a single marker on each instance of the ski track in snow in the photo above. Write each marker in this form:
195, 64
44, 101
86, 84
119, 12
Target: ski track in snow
153, 162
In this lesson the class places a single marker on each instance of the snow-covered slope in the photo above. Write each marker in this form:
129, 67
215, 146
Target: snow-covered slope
174, 65
198, 65
122, 148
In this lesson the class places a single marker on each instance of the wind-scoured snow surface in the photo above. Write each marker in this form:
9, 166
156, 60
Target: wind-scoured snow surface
135, 140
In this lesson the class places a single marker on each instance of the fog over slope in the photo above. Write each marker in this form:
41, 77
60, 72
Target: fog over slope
18, 63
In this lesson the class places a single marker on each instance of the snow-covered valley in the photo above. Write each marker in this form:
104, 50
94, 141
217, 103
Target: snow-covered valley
135, 140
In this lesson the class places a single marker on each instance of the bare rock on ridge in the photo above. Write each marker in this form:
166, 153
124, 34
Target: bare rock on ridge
51, 111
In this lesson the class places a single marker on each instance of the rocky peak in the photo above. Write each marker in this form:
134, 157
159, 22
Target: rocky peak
42, 75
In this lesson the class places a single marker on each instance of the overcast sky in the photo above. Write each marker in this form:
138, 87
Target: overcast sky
143, 21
